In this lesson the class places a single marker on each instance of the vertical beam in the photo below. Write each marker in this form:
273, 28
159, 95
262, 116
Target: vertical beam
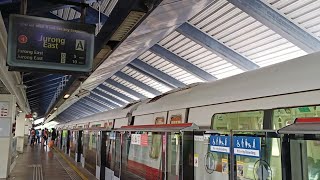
116, 93
173, 58
156, 74
137, 83
216, 47
125, 88
278, 23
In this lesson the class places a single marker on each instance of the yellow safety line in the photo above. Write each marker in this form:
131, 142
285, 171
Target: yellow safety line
83, 177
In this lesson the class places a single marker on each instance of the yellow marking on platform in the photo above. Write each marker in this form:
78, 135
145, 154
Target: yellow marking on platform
83, 177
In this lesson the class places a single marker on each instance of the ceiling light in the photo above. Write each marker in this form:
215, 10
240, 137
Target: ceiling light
66, 96
55, 109
20, 111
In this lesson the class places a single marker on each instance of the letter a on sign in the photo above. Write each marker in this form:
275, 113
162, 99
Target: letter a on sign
79, 45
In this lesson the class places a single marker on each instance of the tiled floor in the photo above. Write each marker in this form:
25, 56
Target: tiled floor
42, 163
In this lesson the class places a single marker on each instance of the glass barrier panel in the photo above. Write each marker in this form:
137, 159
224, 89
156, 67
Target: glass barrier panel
305, 159
142, 156
209, 165
251, 120
174, 151
73, 144
257, 157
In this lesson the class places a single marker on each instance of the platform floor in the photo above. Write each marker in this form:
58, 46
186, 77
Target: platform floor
42, 163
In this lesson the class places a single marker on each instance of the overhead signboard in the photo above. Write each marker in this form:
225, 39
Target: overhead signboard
220, 144
247, 146
49, 45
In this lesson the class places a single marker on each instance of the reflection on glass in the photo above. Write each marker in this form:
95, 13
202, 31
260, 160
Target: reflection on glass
305, 159
143, 160
251, 120
210, 165
286, 116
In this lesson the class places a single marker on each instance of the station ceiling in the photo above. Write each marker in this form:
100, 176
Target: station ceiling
225, 38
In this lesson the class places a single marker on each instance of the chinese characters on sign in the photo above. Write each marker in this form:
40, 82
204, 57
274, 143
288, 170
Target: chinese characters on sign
220, 144
247, 146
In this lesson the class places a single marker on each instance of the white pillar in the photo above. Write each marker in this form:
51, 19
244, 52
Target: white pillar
20, 131
7, 115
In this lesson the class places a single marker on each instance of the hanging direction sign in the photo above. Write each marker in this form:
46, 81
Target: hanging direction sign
247, 146
48, 44
220, 144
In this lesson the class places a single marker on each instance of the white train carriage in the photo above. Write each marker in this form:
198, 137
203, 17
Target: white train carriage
267, 98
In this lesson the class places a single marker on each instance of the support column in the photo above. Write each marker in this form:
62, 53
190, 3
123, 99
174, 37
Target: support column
21, 125
7, 116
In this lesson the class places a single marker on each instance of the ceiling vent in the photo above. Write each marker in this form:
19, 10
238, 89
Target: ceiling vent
127, 25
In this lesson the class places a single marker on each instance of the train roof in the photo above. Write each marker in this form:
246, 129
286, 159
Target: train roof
282, 78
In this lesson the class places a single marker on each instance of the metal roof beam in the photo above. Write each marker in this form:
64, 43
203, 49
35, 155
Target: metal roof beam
96, 105
186, 65
85, 107
216, 47
39, 92
39, 88
92, 15
137, 83
97, 102
278, 23
116, 93
125, 88
101, 99
107, 96
156, 74
90, 106
95, 110
78, 111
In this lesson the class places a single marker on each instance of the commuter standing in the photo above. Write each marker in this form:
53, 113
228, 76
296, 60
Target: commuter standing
33, 136
38, 136
45, 137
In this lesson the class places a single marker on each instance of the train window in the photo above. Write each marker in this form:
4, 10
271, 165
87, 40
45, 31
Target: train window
285, 116
252, 120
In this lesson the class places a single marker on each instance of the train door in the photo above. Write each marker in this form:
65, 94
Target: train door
90, 151
79, 147
300, 149
68, 142
153, 152
73, 144
107, 158
211, 155
256, 155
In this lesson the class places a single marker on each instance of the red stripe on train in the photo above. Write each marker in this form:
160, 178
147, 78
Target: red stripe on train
144, 171
307, 120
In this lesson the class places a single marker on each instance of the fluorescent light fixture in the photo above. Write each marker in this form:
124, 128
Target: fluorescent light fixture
66, 96
20, 111
38, 121
55, 109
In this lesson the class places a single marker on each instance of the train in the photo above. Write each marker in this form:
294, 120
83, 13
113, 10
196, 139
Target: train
168, 137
